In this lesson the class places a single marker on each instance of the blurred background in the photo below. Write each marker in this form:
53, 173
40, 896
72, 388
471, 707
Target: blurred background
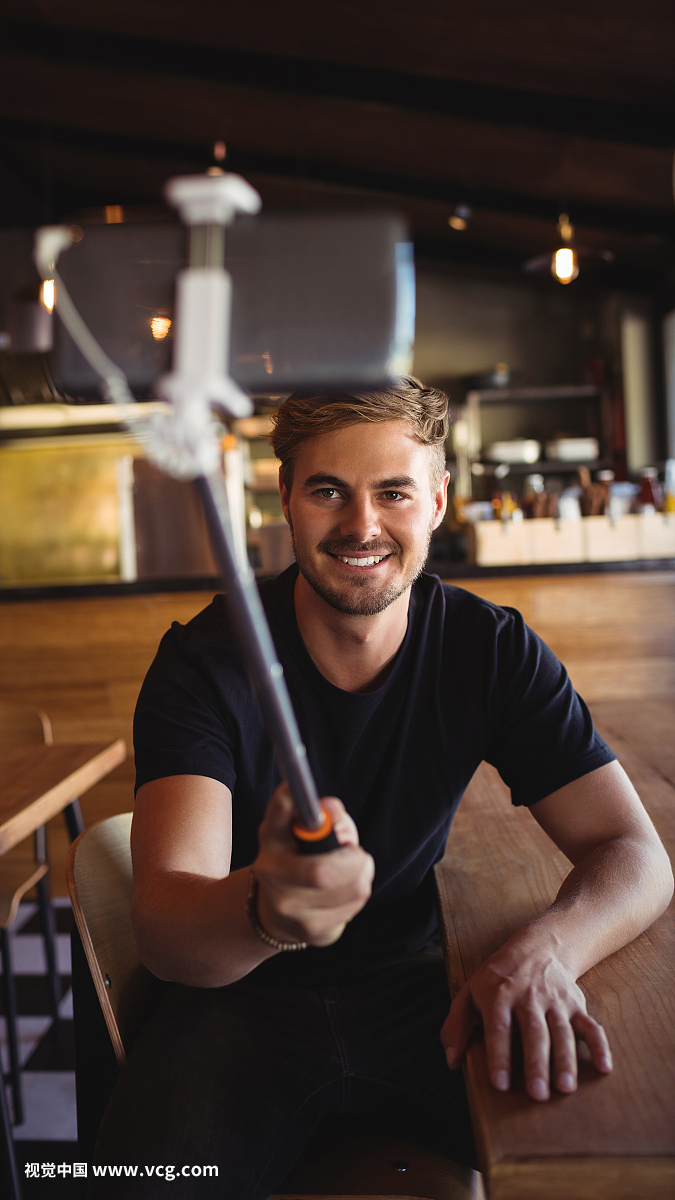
505, 134
529, 145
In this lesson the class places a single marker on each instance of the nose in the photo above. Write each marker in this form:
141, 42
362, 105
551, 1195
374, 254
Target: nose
360, 519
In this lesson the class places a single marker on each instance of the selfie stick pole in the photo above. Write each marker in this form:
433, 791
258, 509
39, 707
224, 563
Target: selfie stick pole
314, 833
186, 444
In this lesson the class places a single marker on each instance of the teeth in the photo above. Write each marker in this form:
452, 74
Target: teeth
363, 562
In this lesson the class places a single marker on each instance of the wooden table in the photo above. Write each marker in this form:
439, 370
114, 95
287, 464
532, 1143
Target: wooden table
614, 1139
38, 782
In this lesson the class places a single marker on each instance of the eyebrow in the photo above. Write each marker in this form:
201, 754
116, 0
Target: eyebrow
398, 481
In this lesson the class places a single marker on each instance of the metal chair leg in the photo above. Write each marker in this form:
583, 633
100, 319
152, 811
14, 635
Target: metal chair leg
8, 1167
73, 817
47, 925
9, 1001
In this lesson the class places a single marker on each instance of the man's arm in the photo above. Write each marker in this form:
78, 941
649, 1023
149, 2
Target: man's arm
621, 881
189, 910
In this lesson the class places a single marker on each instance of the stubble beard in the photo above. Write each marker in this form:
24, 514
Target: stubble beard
358, 597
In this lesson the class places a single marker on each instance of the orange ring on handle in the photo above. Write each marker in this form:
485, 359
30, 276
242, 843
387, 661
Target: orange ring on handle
314, 835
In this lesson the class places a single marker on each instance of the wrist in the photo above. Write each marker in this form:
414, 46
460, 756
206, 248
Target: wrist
546, 938
264, 928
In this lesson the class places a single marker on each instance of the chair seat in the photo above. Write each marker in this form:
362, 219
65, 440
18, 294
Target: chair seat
375, 1168
16, 878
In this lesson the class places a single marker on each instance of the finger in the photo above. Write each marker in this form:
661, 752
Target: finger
345, 829
458, 1027
595, 1038
300, 885
498, 1024
536, 1052
340, 877
564, 1051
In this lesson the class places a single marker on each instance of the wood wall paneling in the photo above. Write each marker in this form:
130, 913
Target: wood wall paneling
83, 660
614, 633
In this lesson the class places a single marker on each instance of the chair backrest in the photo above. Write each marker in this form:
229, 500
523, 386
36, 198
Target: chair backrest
23, 725
100, 882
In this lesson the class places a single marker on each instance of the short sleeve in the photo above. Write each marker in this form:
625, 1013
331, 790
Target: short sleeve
543, 735
180, 724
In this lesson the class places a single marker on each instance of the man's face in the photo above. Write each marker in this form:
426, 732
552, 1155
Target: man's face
362, 494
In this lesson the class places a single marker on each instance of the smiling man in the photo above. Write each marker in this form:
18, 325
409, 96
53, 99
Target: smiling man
302, 987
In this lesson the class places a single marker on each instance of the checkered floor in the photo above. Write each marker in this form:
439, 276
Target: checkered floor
49, 1132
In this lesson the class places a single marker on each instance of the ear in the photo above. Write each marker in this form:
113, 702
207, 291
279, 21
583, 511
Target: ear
441, 500
285, 496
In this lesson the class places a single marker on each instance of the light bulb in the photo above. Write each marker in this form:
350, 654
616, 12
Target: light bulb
47, 294
460, 217
565, 265
160, 327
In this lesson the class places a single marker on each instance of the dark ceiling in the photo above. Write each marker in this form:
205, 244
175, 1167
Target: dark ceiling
518, 108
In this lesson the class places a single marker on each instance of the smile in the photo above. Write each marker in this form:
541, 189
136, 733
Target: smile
370, 560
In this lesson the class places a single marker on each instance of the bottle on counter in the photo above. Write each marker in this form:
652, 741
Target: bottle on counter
669, 487
649, 499
505, 508
594, 498
569, 506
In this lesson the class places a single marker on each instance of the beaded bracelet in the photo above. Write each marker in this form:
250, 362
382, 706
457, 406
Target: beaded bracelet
252, 910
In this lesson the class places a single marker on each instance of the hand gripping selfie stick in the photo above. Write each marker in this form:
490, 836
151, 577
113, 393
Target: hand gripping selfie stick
185, 443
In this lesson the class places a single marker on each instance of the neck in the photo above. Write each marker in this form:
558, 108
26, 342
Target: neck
354, 653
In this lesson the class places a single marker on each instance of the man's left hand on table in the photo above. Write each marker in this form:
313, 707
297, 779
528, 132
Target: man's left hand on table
621, 881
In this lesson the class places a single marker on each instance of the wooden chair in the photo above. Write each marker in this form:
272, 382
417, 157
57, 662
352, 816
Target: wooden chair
100, 882
23, 725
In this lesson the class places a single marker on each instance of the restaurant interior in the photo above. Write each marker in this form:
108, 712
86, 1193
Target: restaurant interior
528, 150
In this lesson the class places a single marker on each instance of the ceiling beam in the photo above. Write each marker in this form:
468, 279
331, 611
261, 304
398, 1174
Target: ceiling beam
126, 168
644, 124
591, 48
91, 175
456, 153
83, 180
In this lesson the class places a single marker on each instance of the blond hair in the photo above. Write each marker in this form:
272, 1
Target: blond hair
300, 418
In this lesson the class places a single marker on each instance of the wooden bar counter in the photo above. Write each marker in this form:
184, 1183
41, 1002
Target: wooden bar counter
614, 1139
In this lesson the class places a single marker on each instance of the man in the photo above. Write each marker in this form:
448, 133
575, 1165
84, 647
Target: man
309, 986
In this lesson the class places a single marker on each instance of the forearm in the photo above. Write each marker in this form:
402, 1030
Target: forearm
190, 919
613, 893
195, 930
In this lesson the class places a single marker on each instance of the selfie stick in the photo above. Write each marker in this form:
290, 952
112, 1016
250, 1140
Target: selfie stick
185, 443
314, 833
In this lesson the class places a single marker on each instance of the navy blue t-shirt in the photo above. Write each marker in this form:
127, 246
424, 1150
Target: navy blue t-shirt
470, 682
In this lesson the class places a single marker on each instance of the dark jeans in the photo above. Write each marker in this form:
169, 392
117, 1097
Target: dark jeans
241, 1077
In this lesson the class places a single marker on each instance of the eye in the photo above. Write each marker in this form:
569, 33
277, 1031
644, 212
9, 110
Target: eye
326, 493
394, 496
